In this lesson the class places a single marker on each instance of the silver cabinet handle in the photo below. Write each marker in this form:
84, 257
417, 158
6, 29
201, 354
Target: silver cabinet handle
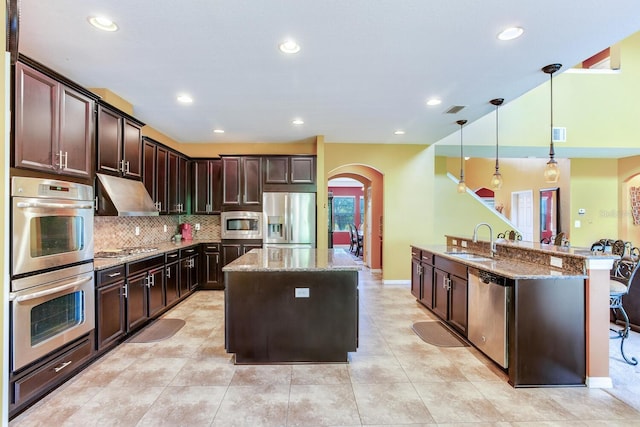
168, 273
114, 274
66, 160
127, 169
126, 290
123, 167
61, 367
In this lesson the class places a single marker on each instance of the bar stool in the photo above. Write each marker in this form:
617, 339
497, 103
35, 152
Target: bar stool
622, 277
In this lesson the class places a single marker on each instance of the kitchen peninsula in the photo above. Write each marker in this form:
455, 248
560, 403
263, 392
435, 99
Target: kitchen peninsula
554, 305
291, 305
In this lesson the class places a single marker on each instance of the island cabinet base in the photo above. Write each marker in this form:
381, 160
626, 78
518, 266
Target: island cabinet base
291, 316
547, 333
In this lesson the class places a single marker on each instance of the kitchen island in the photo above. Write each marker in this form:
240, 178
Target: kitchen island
285, 305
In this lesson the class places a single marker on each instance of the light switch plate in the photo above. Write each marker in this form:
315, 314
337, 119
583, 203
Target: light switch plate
302, 292
463, 243
555, 262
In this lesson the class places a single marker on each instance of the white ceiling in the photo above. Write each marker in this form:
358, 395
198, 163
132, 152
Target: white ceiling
366, 67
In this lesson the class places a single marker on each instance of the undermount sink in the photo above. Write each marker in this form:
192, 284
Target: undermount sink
469, 256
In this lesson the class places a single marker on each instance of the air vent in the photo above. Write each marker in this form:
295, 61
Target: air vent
455, 109
559, 134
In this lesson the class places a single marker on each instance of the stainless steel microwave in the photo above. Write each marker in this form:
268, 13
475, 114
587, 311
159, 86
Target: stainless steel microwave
241, 225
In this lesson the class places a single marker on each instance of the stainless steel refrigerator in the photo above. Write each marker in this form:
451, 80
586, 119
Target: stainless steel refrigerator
289, 220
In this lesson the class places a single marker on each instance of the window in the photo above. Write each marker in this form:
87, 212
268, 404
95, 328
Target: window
344, 209
361, 212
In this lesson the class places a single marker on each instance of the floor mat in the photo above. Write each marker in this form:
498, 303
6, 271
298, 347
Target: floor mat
436, 333
159, 330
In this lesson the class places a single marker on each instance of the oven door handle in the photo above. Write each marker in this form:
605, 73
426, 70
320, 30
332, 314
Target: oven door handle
53, 205
17, 297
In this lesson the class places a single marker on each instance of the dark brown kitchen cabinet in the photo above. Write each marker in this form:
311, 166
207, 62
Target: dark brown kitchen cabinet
289, 173
233, 249
145, 281
450, 290
242, 183
422, 276
119, 143
177, 177
207, 186
54, 125
154, 173
189, 270
110, 306
211, 267
172, 278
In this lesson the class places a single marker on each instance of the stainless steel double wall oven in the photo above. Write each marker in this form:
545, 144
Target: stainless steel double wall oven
52, 286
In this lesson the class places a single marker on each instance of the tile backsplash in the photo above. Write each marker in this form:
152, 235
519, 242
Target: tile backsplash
113, 232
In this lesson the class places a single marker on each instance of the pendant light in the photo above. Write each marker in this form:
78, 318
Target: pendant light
496, 179
551, 171
462, 187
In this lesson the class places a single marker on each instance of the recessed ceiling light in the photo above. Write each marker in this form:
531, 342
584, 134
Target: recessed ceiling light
185, 99
289, 46
218, 131
510, 33
298, 122
399, 132
103, 23
434, 101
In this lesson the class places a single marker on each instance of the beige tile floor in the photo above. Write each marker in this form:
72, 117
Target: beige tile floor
393, 379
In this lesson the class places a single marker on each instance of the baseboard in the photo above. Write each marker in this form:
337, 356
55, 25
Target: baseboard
396, 282
599, 382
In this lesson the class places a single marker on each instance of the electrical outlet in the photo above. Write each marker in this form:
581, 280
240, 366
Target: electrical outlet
555, 261
197, 226
463, 243
165, 228
137, 230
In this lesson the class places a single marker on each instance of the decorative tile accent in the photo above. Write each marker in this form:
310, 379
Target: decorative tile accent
634, 195
113, 232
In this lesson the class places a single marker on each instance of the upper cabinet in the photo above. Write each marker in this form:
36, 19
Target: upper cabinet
206, 191
54, 124
119, 143
242, 183
289, 173
177, 183
155, 162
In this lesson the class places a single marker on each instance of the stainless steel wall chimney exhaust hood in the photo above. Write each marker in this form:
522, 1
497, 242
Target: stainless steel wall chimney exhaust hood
123, 197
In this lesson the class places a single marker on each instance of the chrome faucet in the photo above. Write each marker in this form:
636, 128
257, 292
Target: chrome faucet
493, 244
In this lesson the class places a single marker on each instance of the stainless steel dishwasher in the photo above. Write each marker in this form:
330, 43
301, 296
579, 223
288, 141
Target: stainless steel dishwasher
489, 297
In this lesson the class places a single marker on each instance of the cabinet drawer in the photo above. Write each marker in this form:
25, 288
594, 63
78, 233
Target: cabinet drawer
56, 370
110, 275
186, 252
415, 252
211, 247
451, 267
427, 257
144, 264
171, 257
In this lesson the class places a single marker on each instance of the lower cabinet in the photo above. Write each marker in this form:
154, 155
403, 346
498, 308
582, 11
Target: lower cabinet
450, 293
145, 293
211, 267
172, 278
422, 276
110, 306
233, 249
189, 270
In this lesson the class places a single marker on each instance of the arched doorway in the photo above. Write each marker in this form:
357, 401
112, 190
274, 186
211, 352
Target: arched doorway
372, 181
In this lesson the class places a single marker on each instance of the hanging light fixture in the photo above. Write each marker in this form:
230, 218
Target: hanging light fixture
496, 179
551, 171
462, 187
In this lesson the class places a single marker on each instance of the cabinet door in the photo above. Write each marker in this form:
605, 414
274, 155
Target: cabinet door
416, 277
109, 145
162, 160
76, 133
194, 273
185, 276
426, 286
303, 170
202, 183
156, 291
36, 119
183, 183
216, 182
276, 170
458, 304
231, 181
173, 188
252, 181
132, 150
230, 252
440, 293
136, 301
211, 268
110, 316
149, 168
172, 285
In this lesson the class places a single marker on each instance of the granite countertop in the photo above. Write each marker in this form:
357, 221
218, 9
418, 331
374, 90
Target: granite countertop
502, 266
162, 248
293, 259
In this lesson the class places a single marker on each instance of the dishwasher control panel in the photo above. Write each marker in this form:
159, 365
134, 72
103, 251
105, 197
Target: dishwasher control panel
487, 277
